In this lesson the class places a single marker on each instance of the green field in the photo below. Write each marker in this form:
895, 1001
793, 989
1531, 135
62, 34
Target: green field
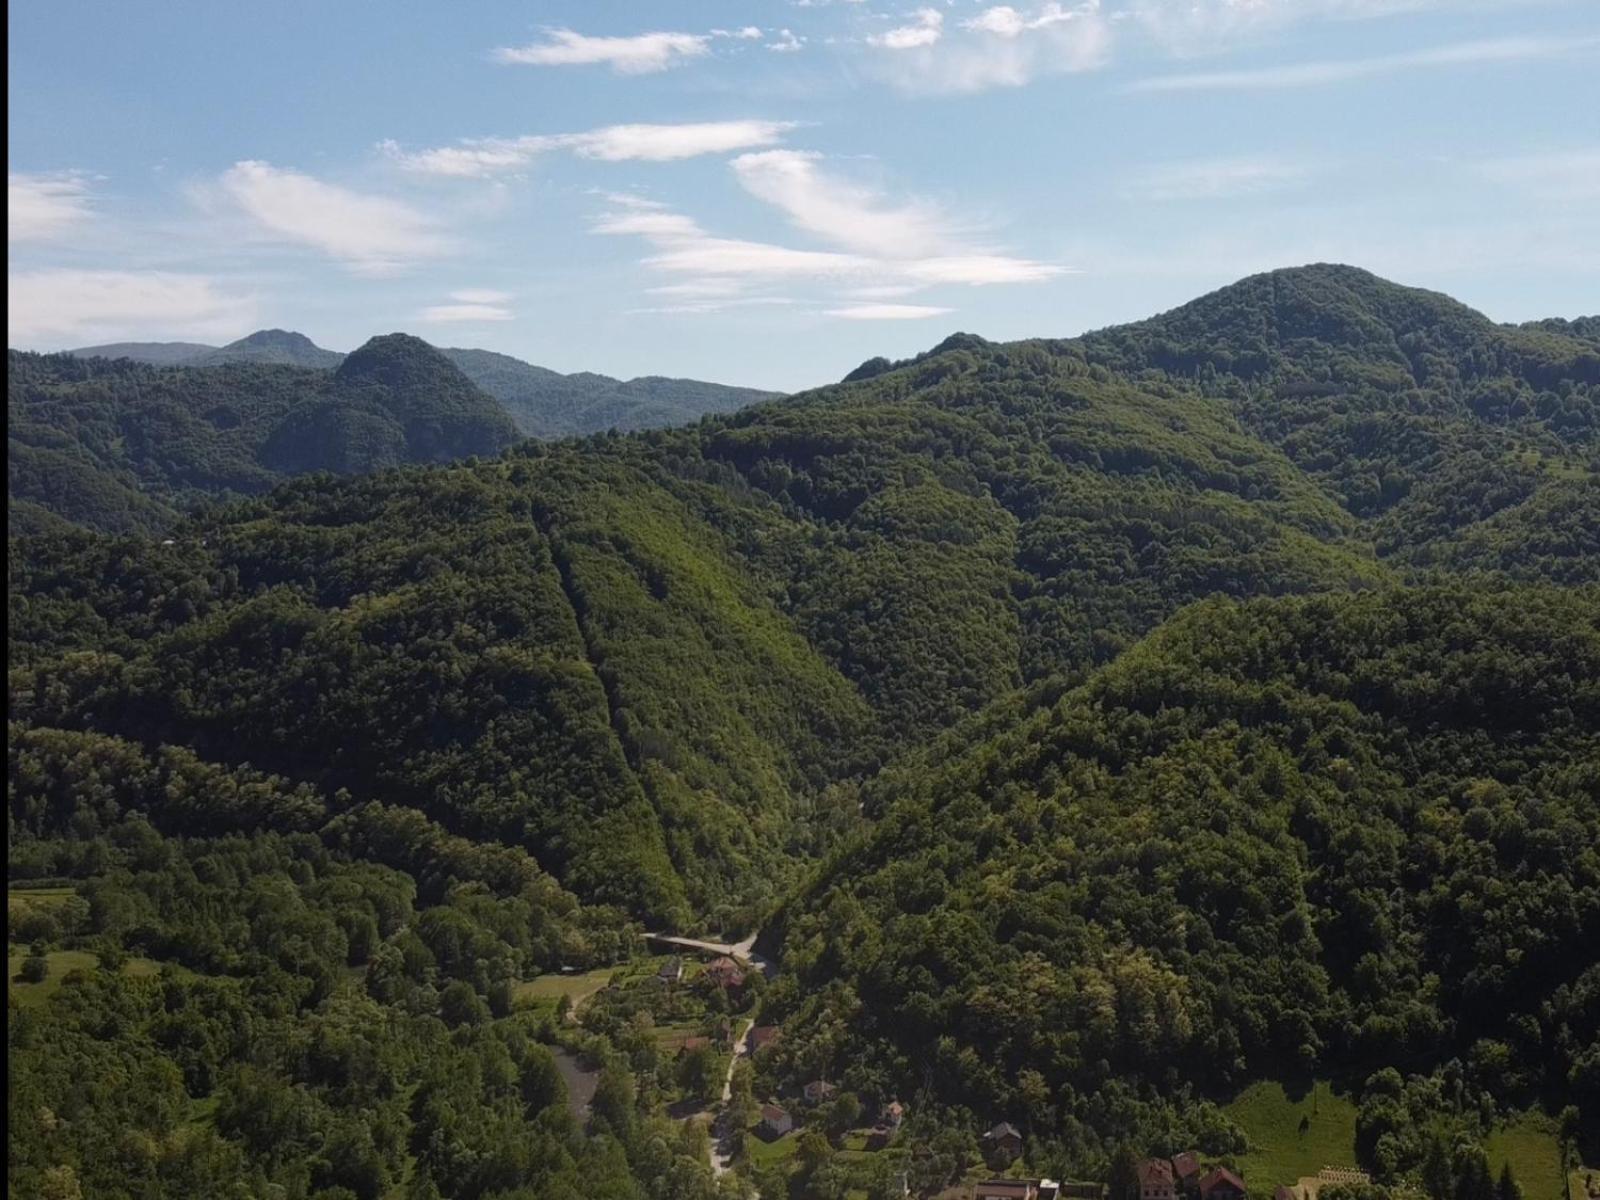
1530, 1145
61, 962
547, 990
763, 1153
1279, 1151
22, 899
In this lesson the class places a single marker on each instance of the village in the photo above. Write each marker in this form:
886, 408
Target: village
692, 1027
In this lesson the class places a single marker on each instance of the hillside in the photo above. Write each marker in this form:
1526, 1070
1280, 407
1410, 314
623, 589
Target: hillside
1412, 410
1084, 742
547, 404
1281, 838
543, 403
122, 447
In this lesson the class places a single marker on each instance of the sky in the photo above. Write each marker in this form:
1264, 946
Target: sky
770, 193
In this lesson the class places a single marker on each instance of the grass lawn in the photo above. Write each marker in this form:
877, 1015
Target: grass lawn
22, 899
546, 991
764, 1153
1279, 1151
61, 961
1530, 1145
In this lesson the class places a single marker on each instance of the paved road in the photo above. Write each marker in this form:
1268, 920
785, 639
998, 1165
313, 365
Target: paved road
720, 1158
743, 951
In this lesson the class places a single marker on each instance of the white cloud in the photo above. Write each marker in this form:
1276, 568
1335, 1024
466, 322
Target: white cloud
71, 307
887, 312
1211, 179
915, 240
786, 42
1005, 47
887, 251
1552, 175
481, 296
39, 207
924, 31
1328, 71
480, 157
1201, 26
837, 210
448, 313
369, 234
640, 54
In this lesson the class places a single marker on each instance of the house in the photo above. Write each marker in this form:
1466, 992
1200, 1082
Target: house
1016, 1189
1083, 1190
1003, 1142
671, 971
1186, 1170
817, 1091
762, 1036
1219, 1183
1155, 1179
725, 973
775, 1121
893, 1114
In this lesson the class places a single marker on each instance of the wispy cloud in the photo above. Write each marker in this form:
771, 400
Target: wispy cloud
640, 54
1201, 26
1552, 175
41, 207
925, 30
878, 249
478, 157
367, 233
887, 312
1002, 46
440, 314
917, 239
1215, 178
1330, 71
786, 41
67, 307
481, 296
636, 54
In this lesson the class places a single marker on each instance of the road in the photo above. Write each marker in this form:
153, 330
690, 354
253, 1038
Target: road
742, 951
720, 1158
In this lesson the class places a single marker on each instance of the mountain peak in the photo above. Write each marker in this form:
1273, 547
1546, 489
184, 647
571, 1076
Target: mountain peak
402, 362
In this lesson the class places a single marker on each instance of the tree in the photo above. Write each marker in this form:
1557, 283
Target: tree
1123, 1174
1508, 1188
35, 968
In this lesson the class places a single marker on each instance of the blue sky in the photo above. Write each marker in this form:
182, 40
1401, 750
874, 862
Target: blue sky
769, 193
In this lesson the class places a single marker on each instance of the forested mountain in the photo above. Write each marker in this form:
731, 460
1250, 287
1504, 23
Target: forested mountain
547, 404
1279, 838
1088, 731
543, 403
121, 447
280, 346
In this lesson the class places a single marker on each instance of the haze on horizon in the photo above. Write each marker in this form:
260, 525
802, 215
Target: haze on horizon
769, 193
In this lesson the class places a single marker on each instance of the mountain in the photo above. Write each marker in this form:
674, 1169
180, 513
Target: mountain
267, 346
120, 446
1083, 733
544, 403
278, 346
547, 404
1276, 839
156, 354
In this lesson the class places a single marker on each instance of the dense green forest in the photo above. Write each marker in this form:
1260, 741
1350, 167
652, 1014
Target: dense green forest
543, 403
1092, 727
120, 447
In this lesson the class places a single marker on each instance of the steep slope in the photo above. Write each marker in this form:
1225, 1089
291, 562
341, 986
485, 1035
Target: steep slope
547, 404
1279, 838
122, 447
1412, 409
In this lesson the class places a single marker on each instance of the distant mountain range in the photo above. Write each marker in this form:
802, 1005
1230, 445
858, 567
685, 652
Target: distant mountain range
122, 446
542, 402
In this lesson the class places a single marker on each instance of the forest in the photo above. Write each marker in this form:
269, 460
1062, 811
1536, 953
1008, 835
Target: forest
1091, 729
